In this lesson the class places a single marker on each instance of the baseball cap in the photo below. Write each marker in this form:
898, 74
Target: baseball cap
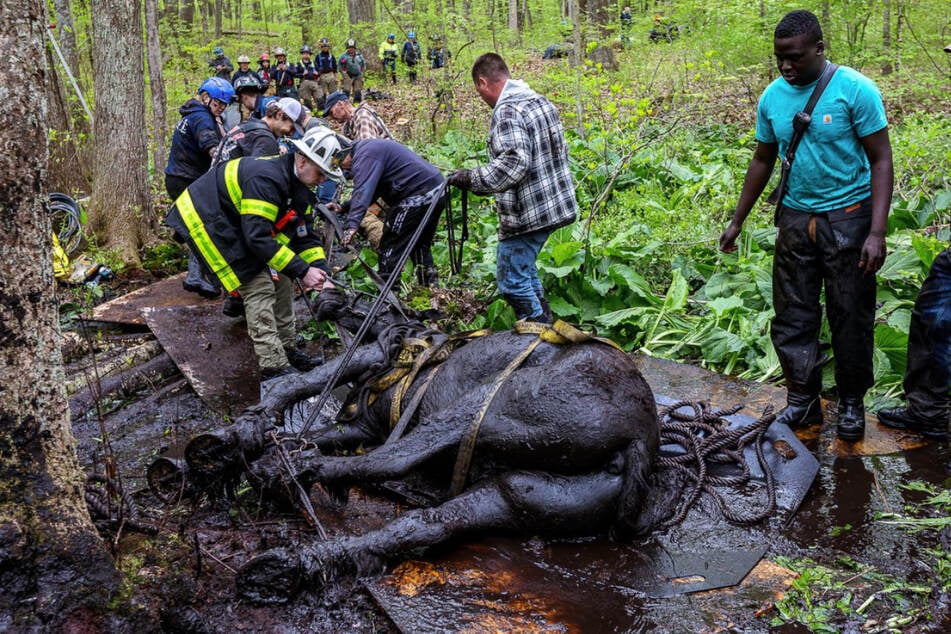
293, 109
332, 100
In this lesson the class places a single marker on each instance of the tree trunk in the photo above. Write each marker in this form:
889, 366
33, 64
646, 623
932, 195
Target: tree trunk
66, 34
361, 11
156, 89
886, 37
601, 15
55, 573
305, 17
119, 211
513, 17
217, 11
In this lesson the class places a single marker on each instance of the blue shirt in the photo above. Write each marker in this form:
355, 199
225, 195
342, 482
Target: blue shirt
831, 169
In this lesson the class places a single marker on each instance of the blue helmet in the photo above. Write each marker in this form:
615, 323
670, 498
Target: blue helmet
218, 88
218, 51
390, 36
411, 34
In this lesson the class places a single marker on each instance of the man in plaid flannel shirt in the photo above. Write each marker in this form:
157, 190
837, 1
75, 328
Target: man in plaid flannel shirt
530, 177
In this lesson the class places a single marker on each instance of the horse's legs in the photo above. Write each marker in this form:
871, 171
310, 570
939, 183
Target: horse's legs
522, 501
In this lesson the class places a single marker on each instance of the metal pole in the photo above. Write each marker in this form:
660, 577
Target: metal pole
72, 80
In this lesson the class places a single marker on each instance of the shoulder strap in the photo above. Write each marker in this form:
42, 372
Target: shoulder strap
824, 80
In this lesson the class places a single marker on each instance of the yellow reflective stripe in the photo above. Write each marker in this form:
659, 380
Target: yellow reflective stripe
282, 238
231, 182
254, 207
312, 255
203, 242
282, 258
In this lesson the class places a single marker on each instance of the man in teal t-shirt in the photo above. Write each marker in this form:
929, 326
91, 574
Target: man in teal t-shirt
831, 227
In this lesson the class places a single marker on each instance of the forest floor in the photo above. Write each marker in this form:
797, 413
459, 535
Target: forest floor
179, 560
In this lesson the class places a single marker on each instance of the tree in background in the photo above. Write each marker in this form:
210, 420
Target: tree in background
120, 212
55, 573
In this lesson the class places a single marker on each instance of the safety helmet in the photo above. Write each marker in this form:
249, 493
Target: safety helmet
390, 36
436, 38
324, 42
351, 43
305, 49
264, 57
411, 34
247, 82
218, 51
244, 59
218, 88
321, 145
278, 52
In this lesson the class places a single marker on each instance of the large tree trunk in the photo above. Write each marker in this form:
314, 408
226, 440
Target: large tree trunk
156, 89
119, 211
886, 37
361, 11
305, 16
55, 573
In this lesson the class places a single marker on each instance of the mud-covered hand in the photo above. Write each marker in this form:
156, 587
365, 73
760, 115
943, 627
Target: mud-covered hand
347, 237
873, 253
461, 179
314, 279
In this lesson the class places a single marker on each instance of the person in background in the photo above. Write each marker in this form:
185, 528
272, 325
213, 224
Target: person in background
264, 72
251, 97
283, 75
410, 55
627, 21
194, 141
353, 67
530, 177
831, 225
438, 53
220, 64
388, 53
327, 68
244, 69
306, 71
250, 216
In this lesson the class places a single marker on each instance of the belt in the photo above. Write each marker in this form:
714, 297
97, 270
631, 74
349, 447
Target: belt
848, 209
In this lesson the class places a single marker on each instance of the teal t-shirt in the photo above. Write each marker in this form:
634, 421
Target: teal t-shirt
831, 169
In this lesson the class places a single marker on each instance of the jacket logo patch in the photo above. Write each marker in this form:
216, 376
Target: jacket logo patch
827, 119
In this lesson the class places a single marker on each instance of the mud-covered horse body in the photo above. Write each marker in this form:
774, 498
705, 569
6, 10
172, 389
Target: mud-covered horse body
556, 438
565, 446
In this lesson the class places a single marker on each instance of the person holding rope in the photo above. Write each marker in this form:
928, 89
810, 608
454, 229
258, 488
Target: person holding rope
530, 177
409, 185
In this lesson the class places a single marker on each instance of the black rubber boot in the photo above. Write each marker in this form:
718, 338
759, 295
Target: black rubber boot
851, 424
902, 418
270, 373
233, 306
802, 410
522, 307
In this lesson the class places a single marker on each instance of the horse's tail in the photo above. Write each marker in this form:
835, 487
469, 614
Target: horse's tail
639, 458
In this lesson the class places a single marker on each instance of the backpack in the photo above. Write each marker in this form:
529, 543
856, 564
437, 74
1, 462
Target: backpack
353, 65
226, 147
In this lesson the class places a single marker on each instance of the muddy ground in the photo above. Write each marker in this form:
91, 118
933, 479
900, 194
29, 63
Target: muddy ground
179, 559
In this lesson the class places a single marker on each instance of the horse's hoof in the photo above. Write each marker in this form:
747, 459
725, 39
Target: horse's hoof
271, 578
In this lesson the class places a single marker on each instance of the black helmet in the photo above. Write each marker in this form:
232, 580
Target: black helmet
305, 49
247, 82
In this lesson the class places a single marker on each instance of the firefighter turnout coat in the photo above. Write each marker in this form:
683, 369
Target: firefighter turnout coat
246, 214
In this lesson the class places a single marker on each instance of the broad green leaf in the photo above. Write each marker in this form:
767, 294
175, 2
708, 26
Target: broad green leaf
620, 316
677, 293
892, 343
721, 305
719, 344
563, 251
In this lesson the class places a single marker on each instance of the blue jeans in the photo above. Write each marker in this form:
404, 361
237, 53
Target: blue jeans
517, 274
928, 375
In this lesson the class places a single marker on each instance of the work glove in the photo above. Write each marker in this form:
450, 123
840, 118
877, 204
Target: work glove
461, 179
347, 237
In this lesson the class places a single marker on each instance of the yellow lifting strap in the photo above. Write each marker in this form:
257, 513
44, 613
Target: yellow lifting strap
559, 333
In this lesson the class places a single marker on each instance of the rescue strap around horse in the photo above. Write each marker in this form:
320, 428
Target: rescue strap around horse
455, 250
559, 333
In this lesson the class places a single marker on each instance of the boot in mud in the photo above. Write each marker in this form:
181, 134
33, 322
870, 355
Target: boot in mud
547, 317
904, 418
851, 424
802, 410
427, 276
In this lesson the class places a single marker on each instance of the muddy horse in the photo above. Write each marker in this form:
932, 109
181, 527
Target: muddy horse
539, 430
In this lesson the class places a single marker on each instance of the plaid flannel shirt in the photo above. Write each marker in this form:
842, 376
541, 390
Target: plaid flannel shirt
528, 171
365, 124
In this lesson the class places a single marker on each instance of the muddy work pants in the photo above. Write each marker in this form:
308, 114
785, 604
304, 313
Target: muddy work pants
517, 273
269, 310
815, 250
928, 374
401, 222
